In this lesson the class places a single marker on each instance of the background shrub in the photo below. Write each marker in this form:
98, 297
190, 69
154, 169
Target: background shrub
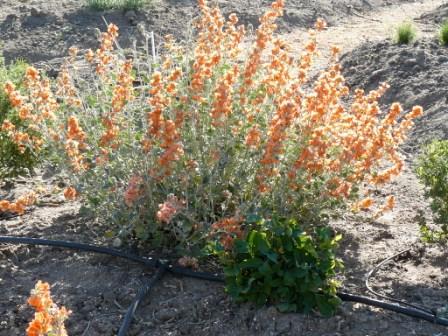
443, 34
406, 33
116, 4
12, 161
281, 264
433, 172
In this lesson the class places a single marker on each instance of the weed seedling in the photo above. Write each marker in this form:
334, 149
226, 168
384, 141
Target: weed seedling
116, 4
406, 33
443, 35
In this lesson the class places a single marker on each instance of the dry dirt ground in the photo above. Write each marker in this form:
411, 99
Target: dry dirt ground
98, 289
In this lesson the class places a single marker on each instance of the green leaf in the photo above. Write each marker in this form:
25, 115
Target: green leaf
326, 305
252, 219
251, 263
240, 246
286, 307
232, 271
265, 269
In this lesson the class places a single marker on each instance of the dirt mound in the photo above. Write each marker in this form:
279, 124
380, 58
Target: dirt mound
418, 75
438, 15
43, 30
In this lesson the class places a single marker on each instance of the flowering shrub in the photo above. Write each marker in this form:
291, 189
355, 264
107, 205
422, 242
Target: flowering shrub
182, 146
14, 160
281, 264
433, 172
49, 318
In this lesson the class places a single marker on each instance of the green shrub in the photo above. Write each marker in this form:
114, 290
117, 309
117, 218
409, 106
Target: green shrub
433, 172
12, 161
281, 264
443, 34
116, 4
406, 33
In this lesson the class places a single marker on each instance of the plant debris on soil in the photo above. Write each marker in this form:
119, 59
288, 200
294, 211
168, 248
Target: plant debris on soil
98, 289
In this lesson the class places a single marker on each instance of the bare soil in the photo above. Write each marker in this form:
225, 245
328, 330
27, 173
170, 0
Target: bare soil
98, 289
38, 30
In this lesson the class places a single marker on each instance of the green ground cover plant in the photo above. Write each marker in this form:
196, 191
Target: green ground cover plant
280, 264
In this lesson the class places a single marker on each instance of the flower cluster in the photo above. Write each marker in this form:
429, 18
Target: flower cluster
134, 190
228, 229
75, 144
122, 93
39, 105
103, 56
18, 206
170, 208
49, 318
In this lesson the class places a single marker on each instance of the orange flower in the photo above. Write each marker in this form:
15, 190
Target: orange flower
335, 50
73, 52
417, 111
387, 206
75, 132
70, 193
390, 203
133, 191
48, 319
4, 205
112, 30
89, 56
228, 229
8, 126
169, 208
253, 137
32, 74
364, 204
9, 87
320, 24
20, 205
40, 326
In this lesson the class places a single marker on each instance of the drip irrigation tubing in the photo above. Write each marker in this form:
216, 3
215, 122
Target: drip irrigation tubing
374, 270
143, 291
162, 268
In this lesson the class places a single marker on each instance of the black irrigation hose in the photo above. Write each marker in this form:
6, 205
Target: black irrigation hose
374, 270
162, 268
413, 312
143, 291
149, 262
